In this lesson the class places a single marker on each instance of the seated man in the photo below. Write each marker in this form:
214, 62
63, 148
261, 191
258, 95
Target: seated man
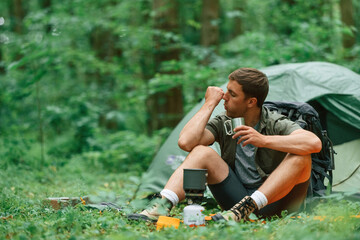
263, 168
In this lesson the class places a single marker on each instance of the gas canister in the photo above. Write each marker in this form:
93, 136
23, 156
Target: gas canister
193, 215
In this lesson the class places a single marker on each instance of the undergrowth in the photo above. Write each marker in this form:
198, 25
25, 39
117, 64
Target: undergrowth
24, 215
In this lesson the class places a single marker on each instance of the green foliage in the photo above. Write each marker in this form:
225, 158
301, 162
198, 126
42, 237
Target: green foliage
73, 71
123, 151
24, 216
73, 105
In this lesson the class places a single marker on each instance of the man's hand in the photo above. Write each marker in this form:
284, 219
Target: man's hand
249, 135
213, 95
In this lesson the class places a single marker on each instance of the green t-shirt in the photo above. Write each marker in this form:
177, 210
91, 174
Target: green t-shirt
266, 160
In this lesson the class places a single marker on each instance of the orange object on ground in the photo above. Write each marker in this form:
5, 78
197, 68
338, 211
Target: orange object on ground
194, 225
83, 201
164, 222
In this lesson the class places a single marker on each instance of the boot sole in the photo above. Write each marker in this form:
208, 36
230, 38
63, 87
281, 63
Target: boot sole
140, 217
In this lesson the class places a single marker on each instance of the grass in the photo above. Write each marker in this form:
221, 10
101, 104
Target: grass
23, 215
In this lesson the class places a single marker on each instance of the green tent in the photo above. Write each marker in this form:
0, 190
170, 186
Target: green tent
334, 91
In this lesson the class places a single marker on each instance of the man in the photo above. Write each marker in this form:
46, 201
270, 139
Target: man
263, 168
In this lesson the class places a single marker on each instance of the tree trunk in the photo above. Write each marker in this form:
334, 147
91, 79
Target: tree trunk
103, 42
165, 108
347, 18
238, 23
2, 65
146, 56
18, 13
209, 24
46, 4
209, 36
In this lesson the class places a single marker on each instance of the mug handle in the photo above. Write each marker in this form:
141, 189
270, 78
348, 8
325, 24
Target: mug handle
228, 127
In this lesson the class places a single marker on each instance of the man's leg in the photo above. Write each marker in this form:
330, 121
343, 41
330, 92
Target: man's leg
201, 157
228, 192
285, 188
291, 202
293, 170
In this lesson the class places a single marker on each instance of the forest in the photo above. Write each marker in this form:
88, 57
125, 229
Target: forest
91, 89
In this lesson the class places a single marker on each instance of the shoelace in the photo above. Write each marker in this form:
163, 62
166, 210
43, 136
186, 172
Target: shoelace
243, 208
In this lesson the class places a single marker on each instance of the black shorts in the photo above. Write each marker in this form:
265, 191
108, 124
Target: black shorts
231, 191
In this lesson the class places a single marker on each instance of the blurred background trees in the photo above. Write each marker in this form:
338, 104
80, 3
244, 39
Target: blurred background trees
109, 79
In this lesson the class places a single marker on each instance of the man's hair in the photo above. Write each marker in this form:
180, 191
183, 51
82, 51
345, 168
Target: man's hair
254, 83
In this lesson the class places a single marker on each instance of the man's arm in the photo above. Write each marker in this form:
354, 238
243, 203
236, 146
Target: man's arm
299, 142
194, 132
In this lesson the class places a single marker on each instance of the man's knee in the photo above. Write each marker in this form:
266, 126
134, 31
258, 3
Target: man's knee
205, 156
203, 151
302, 162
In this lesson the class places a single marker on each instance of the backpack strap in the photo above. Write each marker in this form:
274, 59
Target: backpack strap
331, 149
321, 171
291, 113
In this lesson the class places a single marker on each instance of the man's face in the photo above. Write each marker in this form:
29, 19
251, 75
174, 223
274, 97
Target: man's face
235, 100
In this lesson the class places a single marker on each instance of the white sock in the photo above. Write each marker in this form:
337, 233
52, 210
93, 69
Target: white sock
260, 199
170, 195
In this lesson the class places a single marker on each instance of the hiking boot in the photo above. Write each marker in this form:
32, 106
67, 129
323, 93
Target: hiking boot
238, 212
157, 208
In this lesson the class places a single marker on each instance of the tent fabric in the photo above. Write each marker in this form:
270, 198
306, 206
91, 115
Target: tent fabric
335, 88
344, 107
302, 82
347, 174
343, 111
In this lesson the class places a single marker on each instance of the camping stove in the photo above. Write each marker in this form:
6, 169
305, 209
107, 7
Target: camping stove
194, 185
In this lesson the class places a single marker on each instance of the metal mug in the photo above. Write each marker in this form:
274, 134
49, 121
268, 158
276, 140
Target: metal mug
233, 123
